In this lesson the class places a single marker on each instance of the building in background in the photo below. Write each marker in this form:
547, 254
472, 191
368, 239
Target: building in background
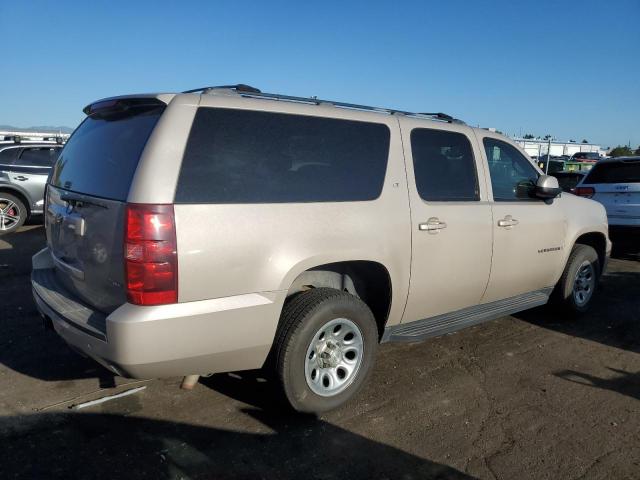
539, 147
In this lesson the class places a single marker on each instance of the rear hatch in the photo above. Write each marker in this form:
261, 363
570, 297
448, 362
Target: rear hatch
617, 187
86, 198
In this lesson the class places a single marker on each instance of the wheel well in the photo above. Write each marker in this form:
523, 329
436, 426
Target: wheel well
598, 242
20, 196
369, 281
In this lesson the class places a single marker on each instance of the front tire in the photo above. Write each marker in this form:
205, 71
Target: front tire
575, 289
325, 348
13, 213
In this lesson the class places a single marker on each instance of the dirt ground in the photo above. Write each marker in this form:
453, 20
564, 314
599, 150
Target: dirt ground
527, 396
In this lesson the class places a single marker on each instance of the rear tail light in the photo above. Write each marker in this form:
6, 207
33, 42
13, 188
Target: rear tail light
586, 192
150, 251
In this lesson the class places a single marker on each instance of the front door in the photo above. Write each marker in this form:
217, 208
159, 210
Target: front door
451, 220
528, 233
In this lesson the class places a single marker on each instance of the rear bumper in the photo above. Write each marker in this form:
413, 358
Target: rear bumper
203, 337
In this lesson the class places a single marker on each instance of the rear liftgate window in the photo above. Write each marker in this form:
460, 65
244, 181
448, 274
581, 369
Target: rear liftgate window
615, 172
102, 155
242, 156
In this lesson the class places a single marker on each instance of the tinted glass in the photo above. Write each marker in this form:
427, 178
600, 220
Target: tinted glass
568, 181
38, 157
615, 172
513, 177
101, 156
242, 156
443, 166
8, 155
586, 155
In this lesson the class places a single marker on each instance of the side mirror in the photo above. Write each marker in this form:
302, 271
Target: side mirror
547, 187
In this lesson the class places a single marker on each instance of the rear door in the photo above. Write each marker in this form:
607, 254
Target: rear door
31, 169
617, 187
8, 156
450, 219
86, 201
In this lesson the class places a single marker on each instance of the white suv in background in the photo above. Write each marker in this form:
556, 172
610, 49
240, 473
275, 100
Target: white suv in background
615, 183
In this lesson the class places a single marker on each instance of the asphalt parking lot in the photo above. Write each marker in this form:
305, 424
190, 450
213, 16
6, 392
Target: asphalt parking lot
527, 396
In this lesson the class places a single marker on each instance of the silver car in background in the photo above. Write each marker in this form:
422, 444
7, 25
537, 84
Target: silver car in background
24, 169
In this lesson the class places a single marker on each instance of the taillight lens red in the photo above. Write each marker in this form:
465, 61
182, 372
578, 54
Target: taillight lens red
151, 260
586, 192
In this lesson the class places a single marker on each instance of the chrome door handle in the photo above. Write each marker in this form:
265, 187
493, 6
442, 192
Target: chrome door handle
432, 225
508, 222
20, 178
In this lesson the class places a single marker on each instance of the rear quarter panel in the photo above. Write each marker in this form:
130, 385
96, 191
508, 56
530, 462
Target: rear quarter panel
233, 249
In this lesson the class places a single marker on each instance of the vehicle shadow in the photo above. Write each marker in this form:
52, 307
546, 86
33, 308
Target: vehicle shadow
628, 253
257, 388
623, 382
101, 446
25, 346
613, 320
614, 317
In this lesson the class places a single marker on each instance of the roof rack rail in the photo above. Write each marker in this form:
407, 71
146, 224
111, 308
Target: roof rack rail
252, 92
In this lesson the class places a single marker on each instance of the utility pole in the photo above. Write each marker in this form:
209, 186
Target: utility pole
546, 169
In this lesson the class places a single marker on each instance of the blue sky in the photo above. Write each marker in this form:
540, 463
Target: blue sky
569, 68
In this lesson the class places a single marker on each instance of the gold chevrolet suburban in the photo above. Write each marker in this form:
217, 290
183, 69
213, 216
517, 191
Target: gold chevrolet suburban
224, 229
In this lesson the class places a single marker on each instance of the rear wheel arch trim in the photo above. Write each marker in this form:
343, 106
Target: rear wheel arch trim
343, 275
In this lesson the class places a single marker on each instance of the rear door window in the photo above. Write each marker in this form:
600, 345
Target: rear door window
443, 165
38, 157
615, 172
243, 156
102, 155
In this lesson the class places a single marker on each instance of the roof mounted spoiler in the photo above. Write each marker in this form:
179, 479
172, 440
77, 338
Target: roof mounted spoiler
121, 104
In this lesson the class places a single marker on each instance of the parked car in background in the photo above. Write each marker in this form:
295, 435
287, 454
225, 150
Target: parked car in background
589, 157
615, 182
24, 169
556, 164
568, 180
226, 229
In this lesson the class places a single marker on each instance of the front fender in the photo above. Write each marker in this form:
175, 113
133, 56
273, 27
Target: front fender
583, 216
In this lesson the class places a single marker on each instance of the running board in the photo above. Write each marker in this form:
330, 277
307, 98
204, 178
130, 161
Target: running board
454, 321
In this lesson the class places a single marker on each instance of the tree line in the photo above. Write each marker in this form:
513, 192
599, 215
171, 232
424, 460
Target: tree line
623, 151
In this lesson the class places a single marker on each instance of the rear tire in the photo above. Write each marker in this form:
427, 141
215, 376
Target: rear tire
577, 285
325, 348
13, 213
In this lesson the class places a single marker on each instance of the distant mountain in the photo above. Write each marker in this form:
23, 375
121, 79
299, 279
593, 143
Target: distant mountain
37, 129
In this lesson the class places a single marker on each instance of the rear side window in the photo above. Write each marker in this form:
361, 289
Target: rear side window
615, 172
38, 157
101, 156
443, 165
243, 156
